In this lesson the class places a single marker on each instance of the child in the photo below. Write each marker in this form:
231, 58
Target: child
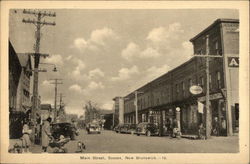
26, 137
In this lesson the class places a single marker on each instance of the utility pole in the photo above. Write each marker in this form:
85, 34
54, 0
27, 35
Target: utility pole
61, 102
208, 111
38, 24
136, 106
56, 82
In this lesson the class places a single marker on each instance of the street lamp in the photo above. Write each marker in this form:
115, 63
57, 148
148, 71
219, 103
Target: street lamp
54, 69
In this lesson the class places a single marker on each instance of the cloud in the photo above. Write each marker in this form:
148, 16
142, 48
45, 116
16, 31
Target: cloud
95, 73
54, 59
69, 57
80, 43
98, 37
108, 105
133, 51
162, 36
154, 71
130, 51
94, 85
76, 88
150, 53
125, 73
157, 34
78, 68
188, 49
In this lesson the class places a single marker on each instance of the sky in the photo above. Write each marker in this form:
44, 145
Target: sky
101, 54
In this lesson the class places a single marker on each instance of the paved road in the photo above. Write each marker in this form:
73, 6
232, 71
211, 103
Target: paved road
111, 142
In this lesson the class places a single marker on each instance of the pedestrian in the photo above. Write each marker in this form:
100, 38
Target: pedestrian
26, 137
201, 132
169, 127
176, 132
46, 134
216, 127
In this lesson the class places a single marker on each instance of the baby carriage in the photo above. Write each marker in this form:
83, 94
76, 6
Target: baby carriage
58, 144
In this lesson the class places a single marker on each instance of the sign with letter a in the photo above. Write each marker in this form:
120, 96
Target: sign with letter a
233, 61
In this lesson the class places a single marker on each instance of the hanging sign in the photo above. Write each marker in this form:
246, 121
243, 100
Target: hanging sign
233, 61
195, 89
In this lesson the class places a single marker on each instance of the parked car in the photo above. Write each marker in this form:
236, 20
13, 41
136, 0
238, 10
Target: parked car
125, 128
148, 129
93, 128
117, 129
132, 129
63, 128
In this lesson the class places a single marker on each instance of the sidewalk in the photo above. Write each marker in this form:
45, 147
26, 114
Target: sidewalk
34, 148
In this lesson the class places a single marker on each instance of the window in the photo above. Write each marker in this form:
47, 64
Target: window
218, 79
183, 89
177, 90
202, 81
210, 81
190, 82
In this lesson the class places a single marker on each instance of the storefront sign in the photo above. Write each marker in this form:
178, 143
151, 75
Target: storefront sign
233, 61
195, 89
211, 97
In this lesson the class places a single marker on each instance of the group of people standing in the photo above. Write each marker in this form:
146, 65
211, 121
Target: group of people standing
46, 136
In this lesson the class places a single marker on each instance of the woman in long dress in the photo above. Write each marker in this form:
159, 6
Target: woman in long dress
46, 134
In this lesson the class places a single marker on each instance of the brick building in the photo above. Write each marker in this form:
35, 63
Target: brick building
159, 98
20, 71
23, 90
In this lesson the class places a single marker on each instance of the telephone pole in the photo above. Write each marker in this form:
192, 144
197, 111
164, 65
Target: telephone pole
208, 111
39, 23
136, 106
56, 82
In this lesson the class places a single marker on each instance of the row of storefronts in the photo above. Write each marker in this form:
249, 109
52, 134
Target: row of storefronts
168, 97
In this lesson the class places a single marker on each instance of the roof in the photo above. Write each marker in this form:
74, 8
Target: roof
24, 59
45, 106
216, 22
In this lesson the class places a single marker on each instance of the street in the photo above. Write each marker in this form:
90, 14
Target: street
111, 142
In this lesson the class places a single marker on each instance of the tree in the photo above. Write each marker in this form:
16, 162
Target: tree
92, 111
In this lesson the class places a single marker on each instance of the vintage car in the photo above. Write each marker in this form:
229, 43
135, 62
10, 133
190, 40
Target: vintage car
148, 129
93, 128
132, 129
64, 128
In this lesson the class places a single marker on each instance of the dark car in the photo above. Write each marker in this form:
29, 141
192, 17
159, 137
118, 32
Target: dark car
117, 129
132, 129
124, 128
65, 128
148, 129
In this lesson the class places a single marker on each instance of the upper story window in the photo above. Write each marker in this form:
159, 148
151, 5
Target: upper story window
210, 81
177, 89
190, 82
219, 79
183, 88
202, 81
